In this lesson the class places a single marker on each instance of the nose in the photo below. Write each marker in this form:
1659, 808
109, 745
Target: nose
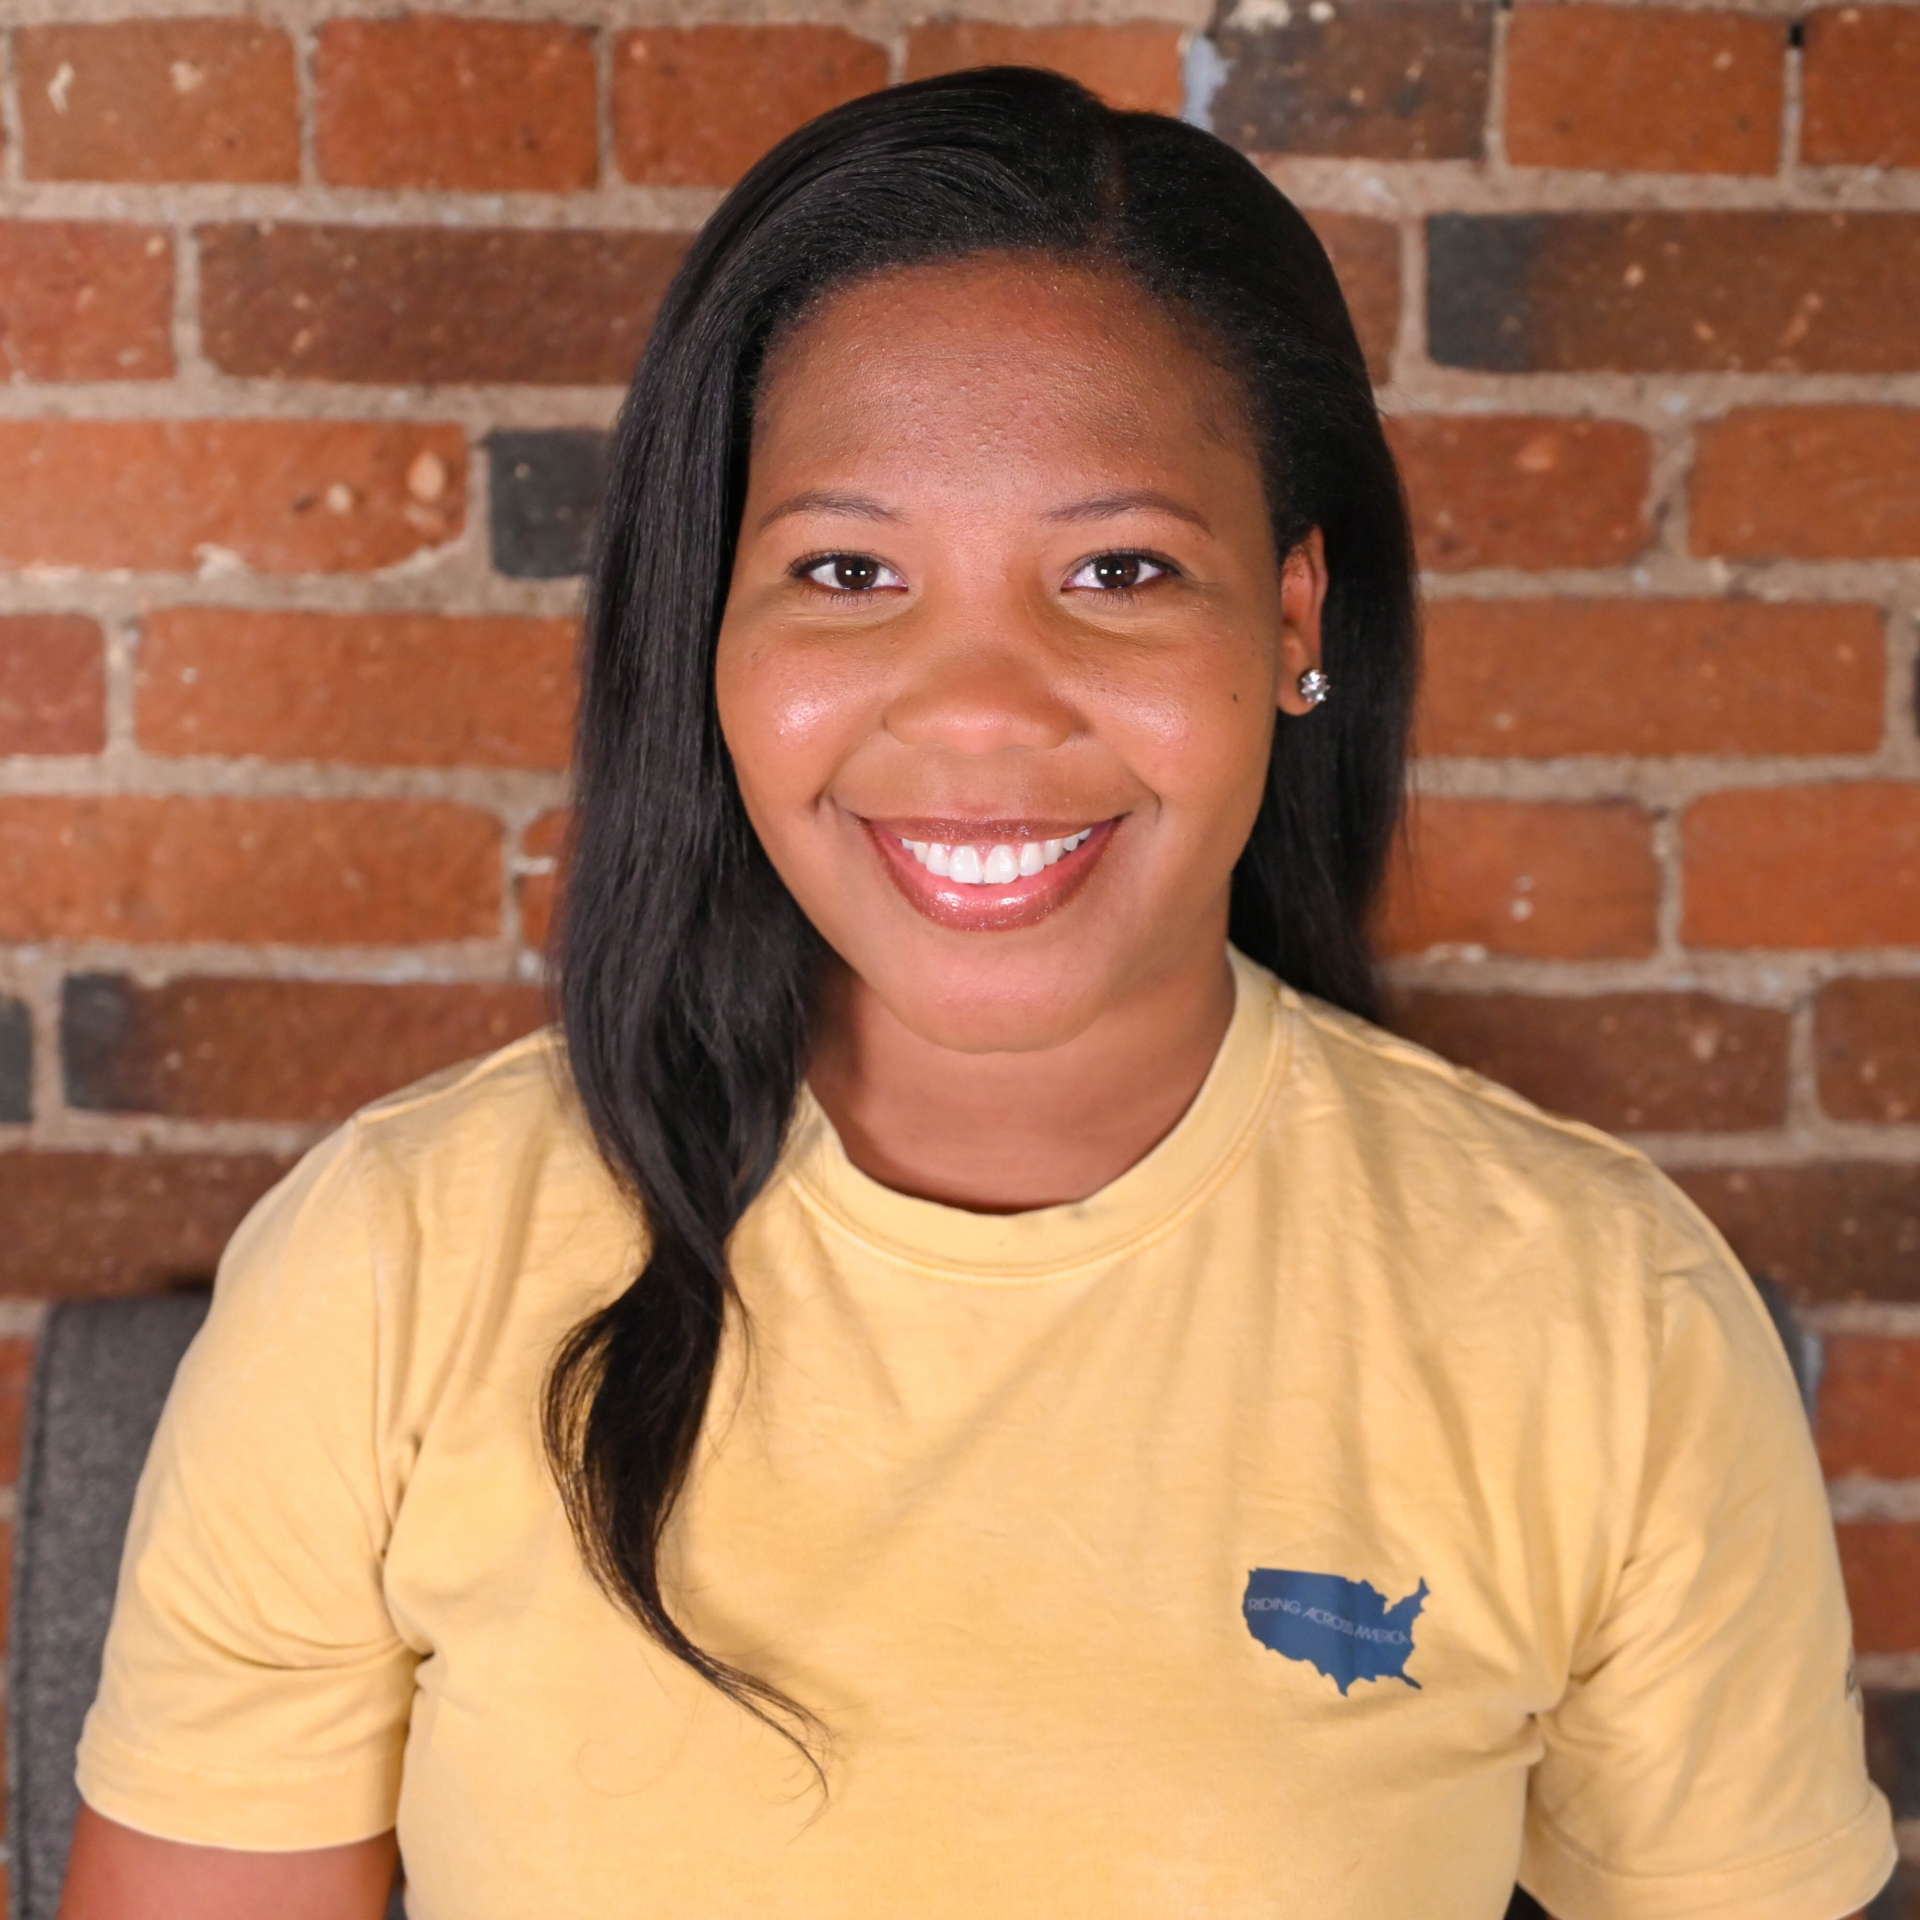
979, 696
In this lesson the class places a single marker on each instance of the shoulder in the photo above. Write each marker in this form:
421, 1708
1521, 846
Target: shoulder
1446, 1116
479, 1183
1492, 1185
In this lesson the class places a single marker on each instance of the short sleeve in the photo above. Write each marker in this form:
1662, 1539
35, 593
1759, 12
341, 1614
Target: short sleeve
254, 1692
1707, 1757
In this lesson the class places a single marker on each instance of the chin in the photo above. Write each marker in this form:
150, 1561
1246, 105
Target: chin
994, 1003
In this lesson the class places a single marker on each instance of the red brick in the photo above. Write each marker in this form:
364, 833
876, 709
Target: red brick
188, 867
1645, 1062
1866, 1039
158, 100
1813, 483
1533, 679
1134, 66
16, 1376
53, 687
1881, 1561
282, 301
115, 1223
1861, 78
1870, 1407
1832, 1230
214, 1049
1554, 881
1654, 89
373, 689
697, 106
429, 100
538, 893
1366, 255
1723, 292
281, 496
1369, 79
1507, 491
1804, 866
85, 300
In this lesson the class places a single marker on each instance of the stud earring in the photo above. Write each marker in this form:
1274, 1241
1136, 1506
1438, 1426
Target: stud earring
1314, 686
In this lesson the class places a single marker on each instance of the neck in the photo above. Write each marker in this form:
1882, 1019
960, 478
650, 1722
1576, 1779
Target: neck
1008, 1132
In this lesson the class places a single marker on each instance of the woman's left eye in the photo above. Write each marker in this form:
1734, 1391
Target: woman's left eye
1118, 572
850, 573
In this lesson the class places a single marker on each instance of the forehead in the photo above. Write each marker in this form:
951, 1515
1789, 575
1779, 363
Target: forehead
1019, 359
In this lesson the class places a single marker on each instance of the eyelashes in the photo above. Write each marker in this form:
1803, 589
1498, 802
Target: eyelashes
1119, 573
854, 574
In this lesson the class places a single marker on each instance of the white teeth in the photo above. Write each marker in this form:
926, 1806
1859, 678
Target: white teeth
994, 866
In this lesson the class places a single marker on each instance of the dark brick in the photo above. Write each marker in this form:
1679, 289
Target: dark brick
372, 303
1866, 1040
1834, 1230
1642, 1062
1376, 79
545, 490
223, 1049
16, 1061
1893, 1748
1899, 1899
110, 1223
1674, 292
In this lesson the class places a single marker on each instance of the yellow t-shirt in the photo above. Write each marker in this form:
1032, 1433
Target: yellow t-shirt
1379, 1490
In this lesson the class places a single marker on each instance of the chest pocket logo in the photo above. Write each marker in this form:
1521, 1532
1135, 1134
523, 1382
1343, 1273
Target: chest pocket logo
1344, 1628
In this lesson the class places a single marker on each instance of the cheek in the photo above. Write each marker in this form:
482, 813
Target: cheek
787, 718
1200, 722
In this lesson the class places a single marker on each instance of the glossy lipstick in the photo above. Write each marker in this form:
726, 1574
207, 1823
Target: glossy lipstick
988, 876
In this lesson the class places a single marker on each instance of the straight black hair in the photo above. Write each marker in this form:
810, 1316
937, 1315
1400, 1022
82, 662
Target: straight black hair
687, 971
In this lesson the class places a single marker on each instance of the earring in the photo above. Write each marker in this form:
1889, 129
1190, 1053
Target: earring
1314, 686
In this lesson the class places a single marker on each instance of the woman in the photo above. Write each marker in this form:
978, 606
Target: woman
958, 1393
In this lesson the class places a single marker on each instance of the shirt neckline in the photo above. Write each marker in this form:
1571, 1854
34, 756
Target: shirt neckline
1144, 1204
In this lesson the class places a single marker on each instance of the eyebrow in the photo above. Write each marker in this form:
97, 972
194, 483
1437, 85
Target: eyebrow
856, 506
1101, 505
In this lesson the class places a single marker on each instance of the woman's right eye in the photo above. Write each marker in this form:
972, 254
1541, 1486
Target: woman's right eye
849, 573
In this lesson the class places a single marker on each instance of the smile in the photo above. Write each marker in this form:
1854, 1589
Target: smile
992, 866
988, 876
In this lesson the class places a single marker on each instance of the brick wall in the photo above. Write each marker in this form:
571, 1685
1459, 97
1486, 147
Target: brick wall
311, 320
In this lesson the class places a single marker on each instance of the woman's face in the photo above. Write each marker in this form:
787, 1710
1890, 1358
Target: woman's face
1004, 644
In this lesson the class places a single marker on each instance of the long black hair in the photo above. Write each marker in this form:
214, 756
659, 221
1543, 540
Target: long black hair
687, 971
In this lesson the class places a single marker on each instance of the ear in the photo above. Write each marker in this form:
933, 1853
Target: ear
1303, 594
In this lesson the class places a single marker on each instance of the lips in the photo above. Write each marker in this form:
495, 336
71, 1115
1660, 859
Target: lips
986, 876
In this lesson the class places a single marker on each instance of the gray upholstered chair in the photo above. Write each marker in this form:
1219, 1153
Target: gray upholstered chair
99, 1381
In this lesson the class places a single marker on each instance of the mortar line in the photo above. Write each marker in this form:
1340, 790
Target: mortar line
12, 121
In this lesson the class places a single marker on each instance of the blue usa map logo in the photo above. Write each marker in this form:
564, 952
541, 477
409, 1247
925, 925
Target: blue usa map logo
1344, 1628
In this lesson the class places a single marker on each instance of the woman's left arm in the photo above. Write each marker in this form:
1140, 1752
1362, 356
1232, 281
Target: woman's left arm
1708, 1752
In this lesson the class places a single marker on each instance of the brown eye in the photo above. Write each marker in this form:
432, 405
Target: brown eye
850, 573
1118, 572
